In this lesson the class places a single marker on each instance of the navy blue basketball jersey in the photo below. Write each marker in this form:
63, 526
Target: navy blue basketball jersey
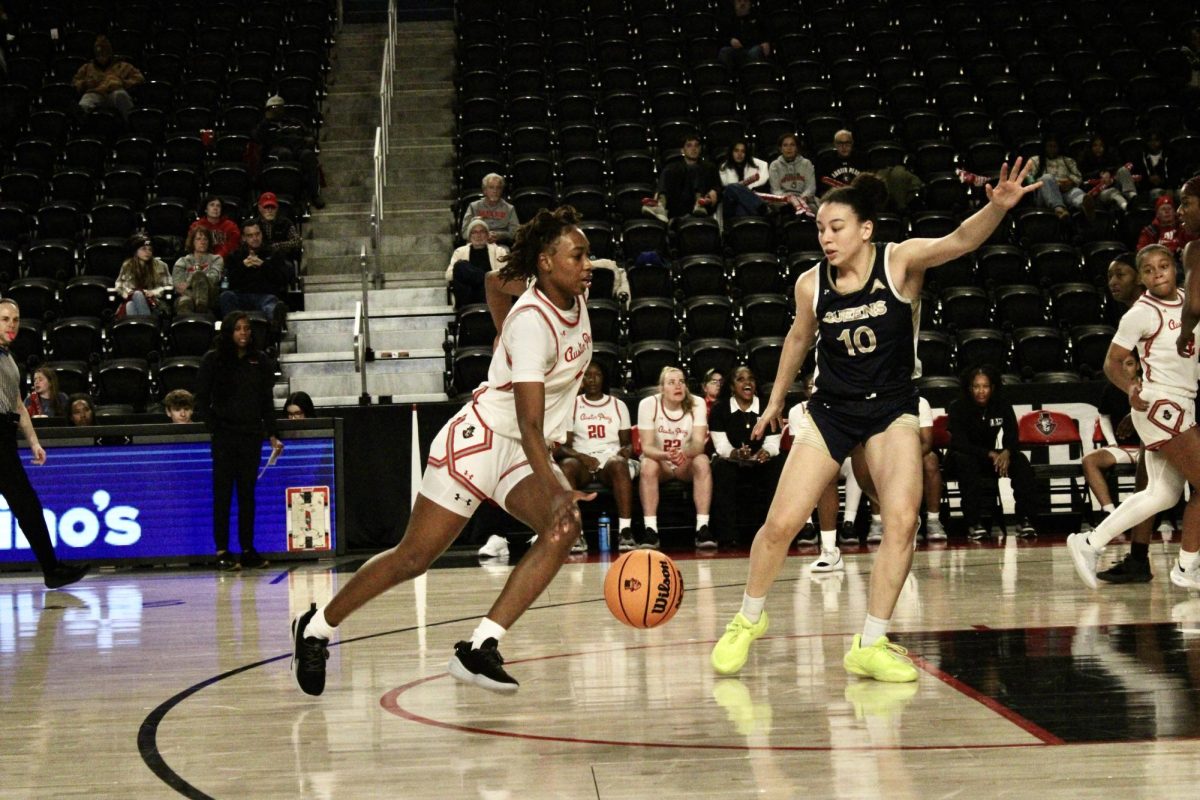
866, 339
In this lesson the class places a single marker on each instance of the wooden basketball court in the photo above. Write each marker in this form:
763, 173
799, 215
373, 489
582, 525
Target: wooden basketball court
175, 682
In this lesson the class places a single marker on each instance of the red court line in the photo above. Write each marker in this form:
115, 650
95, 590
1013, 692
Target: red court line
390, 702
1032, 728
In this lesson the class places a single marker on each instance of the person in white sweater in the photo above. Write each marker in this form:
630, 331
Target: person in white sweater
470, 263
793, 175
741, 173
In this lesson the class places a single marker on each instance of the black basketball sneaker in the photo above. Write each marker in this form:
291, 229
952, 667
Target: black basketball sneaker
482, 667
309, 654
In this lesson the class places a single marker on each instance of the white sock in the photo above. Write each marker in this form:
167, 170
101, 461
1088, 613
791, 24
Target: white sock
701, 520
486, 630
873, 628
876, 519
1109, 508
752, 607
932, 516
828, 540
623, 523
851, 516
652, 522
318, 627
1186, 559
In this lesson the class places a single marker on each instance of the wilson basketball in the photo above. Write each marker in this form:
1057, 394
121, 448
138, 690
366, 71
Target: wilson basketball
643, 588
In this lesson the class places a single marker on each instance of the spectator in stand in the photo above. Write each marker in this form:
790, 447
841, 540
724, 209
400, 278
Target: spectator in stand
713, 381
792, 175
975, 420
746, 37
284, 137
492, 208
1124, 286
179, 404
197, 275
257, 279
142, 281
673, 428
225, 234
1060, 177
299, 406
83, 410
599, 447
840, 167
471, 262
279, 231
1110, 181
741, 173
46, 400
1164, 229
745, 471
687, 185
1156, 174
106, 82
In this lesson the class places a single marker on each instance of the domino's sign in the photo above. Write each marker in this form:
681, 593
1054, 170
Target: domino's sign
78, 527
154, 501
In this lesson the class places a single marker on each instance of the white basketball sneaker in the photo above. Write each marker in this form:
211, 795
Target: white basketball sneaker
494, 547
1186, 579
828, 561
1085, 557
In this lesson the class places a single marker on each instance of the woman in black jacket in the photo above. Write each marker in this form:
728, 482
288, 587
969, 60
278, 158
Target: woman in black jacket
975, 420
234, 400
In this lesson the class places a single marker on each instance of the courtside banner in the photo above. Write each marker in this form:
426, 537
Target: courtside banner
153, 502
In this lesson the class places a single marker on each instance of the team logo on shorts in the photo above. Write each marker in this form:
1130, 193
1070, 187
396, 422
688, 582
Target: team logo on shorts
469, 432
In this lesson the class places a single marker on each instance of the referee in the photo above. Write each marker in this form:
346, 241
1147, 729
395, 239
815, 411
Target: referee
14, 483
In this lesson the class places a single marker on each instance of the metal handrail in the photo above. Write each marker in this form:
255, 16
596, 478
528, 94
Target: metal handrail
362, 331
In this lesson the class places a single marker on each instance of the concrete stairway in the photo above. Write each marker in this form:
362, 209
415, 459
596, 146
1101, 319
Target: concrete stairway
408, 308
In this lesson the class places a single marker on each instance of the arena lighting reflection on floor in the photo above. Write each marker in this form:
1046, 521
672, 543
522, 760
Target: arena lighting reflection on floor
111, 613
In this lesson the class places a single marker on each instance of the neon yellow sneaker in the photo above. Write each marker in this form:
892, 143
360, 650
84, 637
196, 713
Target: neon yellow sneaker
882, 661
733, 648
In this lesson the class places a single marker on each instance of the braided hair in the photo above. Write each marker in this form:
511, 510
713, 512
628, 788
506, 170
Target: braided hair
535, 237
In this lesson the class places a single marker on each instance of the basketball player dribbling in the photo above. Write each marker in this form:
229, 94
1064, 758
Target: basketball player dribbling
860, 303
496, 447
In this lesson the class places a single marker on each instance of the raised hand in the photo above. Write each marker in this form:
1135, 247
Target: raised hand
1010, 188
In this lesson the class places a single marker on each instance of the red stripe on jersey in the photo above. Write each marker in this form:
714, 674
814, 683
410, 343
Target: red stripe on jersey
553, 333
557, 311
1150, 341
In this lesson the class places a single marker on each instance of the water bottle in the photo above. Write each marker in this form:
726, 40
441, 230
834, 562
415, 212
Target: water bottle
602, 532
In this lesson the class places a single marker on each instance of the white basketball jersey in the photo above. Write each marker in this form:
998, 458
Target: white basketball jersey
539, 342
1150, 328
598, 425
672, 430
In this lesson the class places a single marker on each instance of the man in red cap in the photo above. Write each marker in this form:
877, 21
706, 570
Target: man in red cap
1164, 229
278, 229
279, 232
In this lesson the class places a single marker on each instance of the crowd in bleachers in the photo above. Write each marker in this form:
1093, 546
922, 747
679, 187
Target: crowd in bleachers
120, 125
589, 104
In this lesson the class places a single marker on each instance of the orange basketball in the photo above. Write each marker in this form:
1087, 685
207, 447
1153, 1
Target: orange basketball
643, 588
